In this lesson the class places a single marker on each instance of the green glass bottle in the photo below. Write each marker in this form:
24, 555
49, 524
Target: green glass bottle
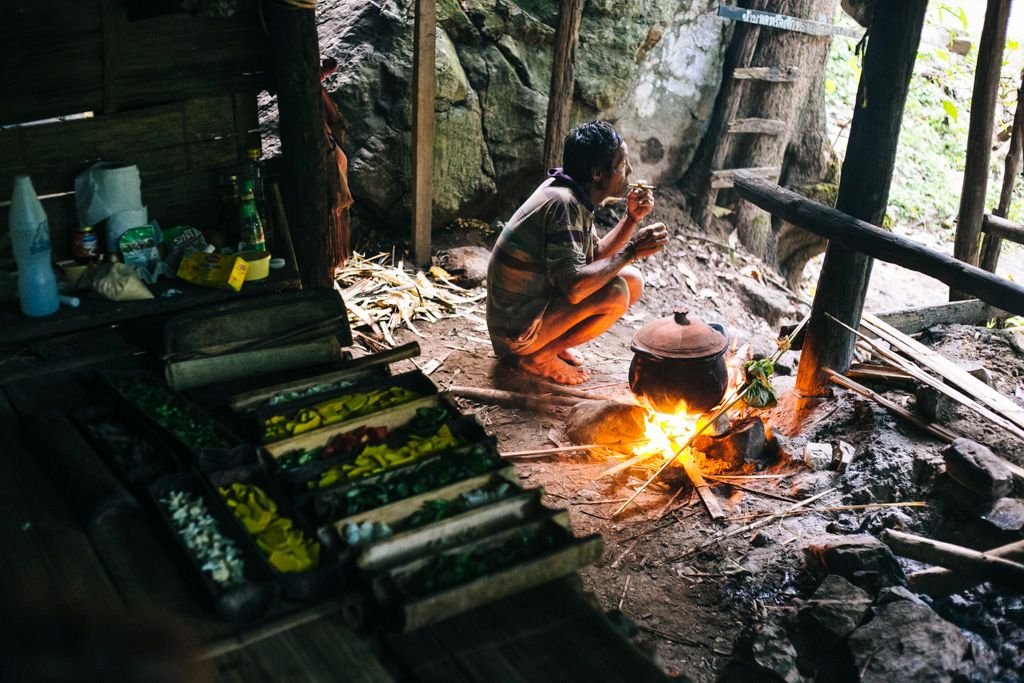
250, 225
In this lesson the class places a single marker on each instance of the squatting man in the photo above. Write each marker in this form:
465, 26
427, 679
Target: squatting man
552, 283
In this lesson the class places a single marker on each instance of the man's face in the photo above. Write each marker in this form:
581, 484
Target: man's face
616, 183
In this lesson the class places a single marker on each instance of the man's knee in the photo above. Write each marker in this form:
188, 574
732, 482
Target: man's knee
617, 295
634, 280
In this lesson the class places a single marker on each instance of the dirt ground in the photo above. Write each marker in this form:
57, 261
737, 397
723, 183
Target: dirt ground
685, 607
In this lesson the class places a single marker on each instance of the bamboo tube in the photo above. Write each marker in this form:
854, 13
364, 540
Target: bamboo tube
198, 372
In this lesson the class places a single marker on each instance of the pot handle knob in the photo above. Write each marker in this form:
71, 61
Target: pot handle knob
680, 316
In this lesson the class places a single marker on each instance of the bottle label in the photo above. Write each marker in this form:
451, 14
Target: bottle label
41, 241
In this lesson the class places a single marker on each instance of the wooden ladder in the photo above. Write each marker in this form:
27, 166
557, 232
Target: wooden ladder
725, 127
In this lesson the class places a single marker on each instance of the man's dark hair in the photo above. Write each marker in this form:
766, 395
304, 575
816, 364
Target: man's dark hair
588, 146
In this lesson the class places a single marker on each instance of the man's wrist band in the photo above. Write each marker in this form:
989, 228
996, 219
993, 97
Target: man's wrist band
630, 250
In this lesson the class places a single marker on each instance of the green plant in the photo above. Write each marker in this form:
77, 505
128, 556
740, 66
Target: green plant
927, 177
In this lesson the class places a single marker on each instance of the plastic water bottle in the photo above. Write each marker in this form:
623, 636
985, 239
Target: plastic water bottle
30, 238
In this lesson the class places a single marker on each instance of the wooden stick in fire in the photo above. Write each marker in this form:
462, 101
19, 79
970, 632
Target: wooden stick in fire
738, 395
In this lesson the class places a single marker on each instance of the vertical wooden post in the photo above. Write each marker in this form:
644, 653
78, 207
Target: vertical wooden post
979, 136
560, 94
310, 176
990, 244
863, 187
424, 90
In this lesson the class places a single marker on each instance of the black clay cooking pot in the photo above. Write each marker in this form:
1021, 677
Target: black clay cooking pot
679, 364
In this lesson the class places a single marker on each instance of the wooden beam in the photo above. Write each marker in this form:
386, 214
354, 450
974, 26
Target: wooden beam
424, 91
725, 177
864, 187
772, 74
309, 175
761, 126
991, 243
867, 241
966, 312
1002, 228
979, 137
562, 79
786, 23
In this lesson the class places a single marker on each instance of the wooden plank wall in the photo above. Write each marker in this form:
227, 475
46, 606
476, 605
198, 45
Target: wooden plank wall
173, 94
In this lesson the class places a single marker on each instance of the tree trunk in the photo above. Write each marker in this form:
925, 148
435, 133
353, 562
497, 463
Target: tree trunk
810, 168
788, 102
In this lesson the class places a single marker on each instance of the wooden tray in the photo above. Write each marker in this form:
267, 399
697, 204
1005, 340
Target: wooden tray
392, 417
392, 513
458, 529
414, 381
244, 602
432, 473
207, 459
162, 461
409, 612
308, 586
366, 368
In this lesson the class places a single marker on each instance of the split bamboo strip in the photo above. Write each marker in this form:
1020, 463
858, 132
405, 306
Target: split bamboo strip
833, 508
937, 363
748, 489
753, 525
703, 490
917, 373
938, 431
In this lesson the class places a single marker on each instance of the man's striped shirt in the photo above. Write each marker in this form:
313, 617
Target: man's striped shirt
552, 232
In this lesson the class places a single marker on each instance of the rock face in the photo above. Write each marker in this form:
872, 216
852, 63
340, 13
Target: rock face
651, 66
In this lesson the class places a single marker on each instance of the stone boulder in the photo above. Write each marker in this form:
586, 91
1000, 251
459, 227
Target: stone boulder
908, 642
863, 560
605, 422
651, 66
835, 609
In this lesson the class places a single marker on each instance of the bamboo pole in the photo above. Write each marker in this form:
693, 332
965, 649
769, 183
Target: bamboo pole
938, 581
512, 398
862, 237
969, 562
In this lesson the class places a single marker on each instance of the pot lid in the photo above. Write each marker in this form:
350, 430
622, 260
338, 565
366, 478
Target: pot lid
678, 336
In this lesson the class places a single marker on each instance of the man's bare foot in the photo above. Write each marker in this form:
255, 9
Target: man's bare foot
571, 356
556, 369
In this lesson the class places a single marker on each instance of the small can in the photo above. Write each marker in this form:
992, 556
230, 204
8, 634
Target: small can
85, 245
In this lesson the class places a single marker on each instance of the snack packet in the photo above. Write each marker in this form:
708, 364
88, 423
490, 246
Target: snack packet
213, 270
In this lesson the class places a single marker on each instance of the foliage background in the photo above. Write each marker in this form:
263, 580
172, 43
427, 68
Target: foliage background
929, 168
